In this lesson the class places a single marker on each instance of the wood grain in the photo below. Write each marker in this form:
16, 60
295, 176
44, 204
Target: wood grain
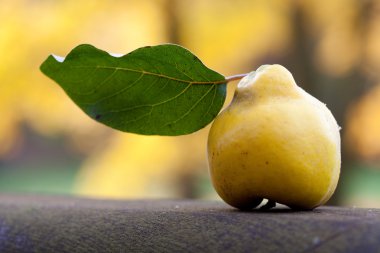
67, 224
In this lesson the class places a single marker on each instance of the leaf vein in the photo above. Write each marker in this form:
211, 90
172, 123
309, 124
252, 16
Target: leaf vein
212, 101
150, 105
191, 108
118, 92
108, 78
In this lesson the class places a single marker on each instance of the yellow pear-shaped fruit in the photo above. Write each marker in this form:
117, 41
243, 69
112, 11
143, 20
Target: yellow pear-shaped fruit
274, 141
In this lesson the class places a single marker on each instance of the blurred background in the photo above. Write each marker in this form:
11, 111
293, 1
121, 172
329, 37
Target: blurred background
47, 145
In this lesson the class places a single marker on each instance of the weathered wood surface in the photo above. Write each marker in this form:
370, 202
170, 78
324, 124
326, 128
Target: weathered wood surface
65, 224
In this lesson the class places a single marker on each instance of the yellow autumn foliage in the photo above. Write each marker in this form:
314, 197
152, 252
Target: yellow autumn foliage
29, 32
142, 166
365, 115
229, 36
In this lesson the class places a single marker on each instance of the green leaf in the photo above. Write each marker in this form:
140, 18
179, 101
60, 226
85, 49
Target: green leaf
163, 90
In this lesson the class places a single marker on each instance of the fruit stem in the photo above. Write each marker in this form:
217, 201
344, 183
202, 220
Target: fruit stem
235, 77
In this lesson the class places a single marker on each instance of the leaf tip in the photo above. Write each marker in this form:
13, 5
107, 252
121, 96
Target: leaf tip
49, 62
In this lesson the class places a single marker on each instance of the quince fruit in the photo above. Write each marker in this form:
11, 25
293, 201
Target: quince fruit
274, 141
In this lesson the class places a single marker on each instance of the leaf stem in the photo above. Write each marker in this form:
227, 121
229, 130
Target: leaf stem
235, 77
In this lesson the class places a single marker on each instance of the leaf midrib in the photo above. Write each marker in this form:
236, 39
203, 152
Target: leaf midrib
155, 74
